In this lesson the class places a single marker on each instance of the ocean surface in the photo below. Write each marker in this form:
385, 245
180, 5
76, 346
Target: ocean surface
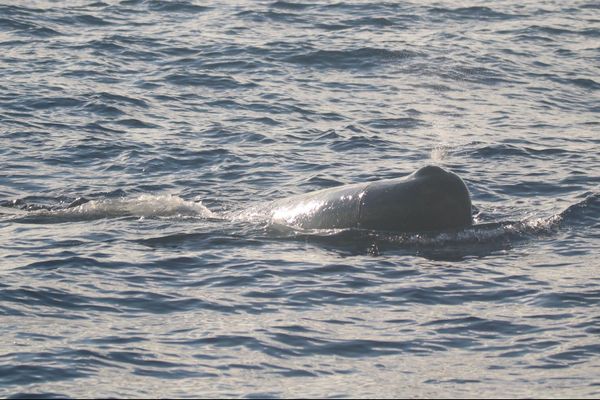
142, 140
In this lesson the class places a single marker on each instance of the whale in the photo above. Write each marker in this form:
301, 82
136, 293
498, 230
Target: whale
429, 199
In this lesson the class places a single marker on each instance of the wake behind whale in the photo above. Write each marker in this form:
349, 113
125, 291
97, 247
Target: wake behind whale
81, 209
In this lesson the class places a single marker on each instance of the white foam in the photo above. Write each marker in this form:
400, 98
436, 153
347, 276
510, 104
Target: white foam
146, 205
143, 206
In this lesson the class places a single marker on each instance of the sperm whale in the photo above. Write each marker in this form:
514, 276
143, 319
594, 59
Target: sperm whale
429, 199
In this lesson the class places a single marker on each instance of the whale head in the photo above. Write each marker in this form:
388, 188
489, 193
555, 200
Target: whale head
429, 199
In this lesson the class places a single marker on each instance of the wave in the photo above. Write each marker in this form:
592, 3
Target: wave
476, 12
584, 213
510, 150
207, 80
366, 57
296, 6
176, 7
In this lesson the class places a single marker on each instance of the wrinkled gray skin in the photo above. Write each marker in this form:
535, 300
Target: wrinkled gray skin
429, 199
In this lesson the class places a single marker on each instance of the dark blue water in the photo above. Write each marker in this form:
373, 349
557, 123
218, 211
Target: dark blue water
179, 121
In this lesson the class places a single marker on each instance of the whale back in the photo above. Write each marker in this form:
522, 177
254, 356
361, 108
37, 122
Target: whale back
331, 208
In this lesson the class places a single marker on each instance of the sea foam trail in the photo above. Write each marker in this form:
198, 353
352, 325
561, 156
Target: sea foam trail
143, 206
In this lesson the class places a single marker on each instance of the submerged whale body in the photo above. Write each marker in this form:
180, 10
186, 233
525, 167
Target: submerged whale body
427, 200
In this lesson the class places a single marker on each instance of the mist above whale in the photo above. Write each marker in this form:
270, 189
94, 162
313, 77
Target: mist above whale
429, 199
